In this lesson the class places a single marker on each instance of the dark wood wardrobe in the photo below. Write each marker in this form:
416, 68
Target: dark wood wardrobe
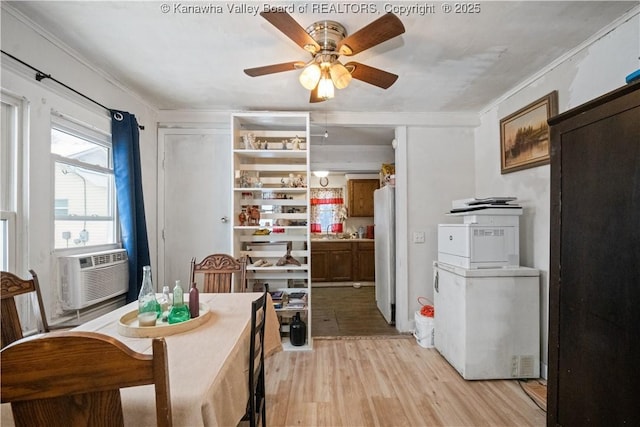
594, 270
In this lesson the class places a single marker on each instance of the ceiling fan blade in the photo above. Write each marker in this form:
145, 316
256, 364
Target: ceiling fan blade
382, 29
274, 68
371, 75
313, 97
285, 23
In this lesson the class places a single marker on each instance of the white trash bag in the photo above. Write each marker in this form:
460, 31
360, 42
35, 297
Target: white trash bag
425, 327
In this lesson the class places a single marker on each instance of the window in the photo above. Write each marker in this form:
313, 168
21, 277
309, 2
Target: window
84, 201
8, 177
7, 237
327, 210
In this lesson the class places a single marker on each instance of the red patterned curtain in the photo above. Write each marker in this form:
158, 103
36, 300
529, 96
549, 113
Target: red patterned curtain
327, 210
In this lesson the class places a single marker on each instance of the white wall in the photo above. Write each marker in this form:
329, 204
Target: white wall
436, 166
39, 51
599, 67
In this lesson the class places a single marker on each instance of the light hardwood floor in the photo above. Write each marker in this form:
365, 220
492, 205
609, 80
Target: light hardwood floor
386, 381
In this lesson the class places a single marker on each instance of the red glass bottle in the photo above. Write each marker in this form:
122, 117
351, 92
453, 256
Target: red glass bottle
194, 301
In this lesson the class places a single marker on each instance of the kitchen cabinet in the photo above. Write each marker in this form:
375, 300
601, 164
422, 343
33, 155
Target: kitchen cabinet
332, 262
366, 262
361, 196
594, 269
320, 264
342, 261
270, 208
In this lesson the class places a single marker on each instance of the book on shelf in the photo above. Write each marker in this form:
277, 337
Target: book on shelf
298, 296
295, 305
276, 295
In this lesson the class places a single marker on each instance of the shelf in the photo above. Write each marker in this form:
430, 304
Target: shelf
272, 190
290, 267
265, 175
273, 202
277, 275
287, 346
261, 227
271, 154
291, 310
268, 238
276, 230
273, 168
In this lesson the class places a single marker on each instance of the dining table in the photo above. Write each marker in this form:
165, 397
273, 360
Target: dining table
208, 364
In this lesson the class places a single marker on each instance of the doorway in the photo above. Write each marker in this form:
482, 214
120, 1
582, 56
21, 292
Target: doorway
340, 308
347, 310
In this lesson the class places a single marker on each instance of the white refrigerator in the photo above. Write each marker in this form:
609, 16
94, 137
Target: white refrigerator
385, 247
487, 321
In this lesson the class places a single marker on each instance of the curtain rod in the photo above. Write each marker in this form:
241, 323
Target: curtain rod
41, 76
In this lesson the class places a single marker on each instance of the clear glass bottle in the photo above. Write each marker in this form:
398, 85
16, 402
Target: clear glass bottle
179, 311
165, 302
194, 301
147, 297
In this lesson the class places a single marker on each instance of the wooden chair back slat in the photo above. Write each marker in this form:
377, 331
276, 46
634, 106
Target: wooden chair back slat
77, 376
256, 406
10, 287
77, 410
219, 271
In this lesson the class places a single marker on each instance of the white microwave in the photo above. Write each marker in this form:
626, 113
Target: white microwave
479, 245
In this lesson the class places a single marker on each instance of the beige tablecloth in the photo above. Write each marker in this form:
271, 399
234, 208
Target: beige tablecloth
208, 365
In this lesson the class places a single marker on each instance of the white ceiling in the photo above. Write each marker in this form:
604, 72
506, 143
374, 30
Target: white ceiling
445, 62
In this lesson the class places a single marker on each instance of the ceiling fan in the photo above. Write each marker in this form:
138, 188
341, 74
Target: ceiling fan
326, 41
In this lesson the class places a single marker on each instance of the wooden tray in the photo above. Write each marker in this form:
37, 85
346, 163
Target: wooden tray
128, 325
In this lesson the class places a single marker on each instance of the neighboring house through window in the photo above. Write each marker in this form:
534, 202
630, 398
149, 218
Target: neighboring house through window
84, 205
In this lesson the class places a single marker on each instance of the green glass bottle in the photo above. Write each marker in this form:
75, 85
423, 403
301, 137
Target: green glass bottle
179, 311
147, 298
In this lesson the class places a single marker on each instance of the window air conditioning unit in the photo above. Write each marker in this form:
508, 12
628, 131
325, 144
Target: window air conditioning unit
88, 279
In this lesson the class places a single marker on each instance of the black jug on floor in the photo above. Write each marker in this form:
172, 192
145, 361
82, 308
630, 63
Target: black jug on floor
297, 331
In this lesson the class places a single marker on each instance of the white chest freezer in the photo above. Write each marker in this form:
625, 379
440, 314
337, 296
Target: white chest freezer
487, 321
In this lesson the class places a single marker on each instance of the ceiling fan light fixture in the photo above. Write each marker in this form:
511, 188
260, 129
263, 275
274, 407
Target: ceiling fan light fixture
340, 76
311, 48
310, 77
326, 41
325, 86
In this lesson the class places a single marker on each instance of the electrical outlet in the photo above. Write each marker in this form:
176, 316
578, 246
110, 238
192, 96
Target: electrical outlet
514, 366
418, 237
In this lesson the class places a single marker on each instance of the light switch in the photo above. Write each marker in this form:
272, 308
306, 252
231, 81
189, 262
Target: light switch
418, 237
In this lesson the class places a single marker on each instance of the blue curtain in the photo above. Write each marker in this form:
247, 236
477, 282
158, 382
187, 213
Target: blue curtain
128, 178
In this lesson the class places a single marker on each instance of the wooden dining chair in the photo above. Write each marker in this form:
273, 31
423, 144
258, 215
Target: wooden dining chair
12, 286
219, 271
74, 379
256, 406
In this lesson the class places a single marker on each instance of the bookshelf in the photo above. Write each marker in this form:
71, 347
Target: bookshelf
271, 208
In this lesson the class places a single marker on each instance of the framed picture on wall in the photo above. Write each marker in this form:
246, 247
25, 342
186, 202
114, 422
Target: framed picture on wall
524, 135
